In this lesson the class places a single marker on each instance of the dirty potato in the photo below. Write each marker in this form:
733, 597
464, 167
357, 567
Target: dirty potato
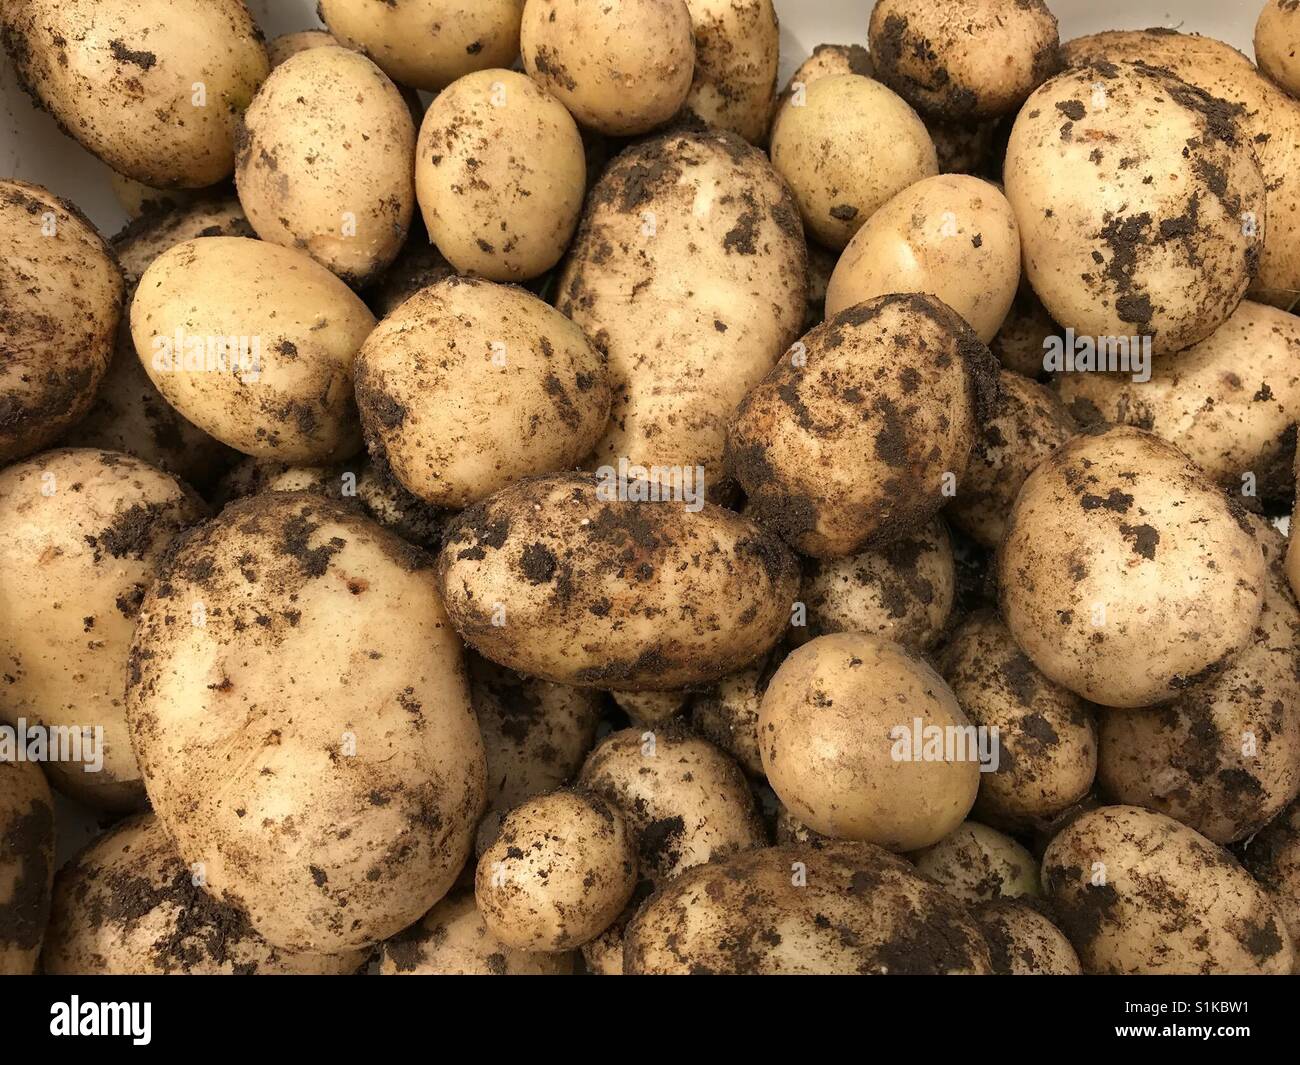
26, 864
976, 863
737, 52
1023, 941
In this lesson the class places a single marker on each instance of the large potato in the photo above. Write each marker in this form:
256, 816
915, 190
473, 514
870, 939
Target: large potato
327, 775
737, 52
26, 864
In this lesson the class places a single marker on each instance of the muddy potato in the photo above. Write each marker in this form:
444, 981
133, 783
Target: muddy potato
138, 199
26, 863
603, 955
847, 149
965, 147
1024, 942
1277, 44
1020, 342
737, 52
500, 173
978, 864
82, 532
332, 828
63, 294
851, 440
1126, 575
651, 708
153, 88
254, 344
469, 386
1138, 893
551, 578
1273, 858
1293, 542
288, 45
1027, 423
838, 730
951, 236
861, 910
727, 715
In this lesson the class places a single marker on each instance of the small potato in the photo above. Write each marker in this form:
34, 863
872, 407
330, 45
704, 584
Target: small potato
326, 154
651, 708
951, 236
63, 294
1023, 942
737, 46
686, 801
154, 89
621, 69
500, 173
288, 45
964, 58
138, 199
850, 442
858, 910
469, 386
1140, 894
452, 940
728, 715
1277, 43
559, 873
977, 864
26, 864
1125, 574
838, 731
82, 533
846, 150
1273, 859
418, 265
253, 343
1021, 343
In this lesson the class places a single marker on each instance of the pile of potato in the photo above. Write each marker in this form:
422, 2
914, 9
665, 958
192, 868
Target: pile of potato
613, 516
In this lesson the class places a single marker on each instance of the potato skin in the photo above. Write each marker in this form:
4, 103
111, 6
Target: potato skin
1277, 44
1273, 859
861, 911
976, 863
62, 302
570, 573
26, 865
1023, 941
119, 75
1171, 902
727, 715
333, 829
737, 53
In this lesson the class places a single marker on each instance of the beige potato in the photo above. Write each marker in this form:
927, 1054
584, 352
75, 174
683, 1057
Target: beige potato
205, 214
839, 732
727, 715
26, 863
152, 87
827, 60
254, 344
1273, 859
63, 295
651, 708
951, 236
978, 864
82, 533
469, 386
1125, 574
846, 150
853, 440
1277, 44
1020, 343
288, 45
418, 265
737, 52
859, 910
138, 199
328, 775
604, 954
1138, 893
1023, 942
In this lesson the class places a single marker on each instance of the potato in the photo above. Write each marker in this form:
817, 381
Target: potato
693, 317
127, 905
727, 715
205, 214
1223, 757
1021, 343
332, 828
651, 708
965, 58
841, 908
253, 343
63, 294
1273, 858
852, 441
1023, 942
966, 147
951, 236
821, 264
552, 577
978, 864
1277, 44
603, 955
849, 147
619, 68
468, 387
500, 173
1047, 736
138, 199
1027, 423
82, 532
737, 52
903, 592
838, 732
686, 801
452, 940
1125, 574
1138, 893
153, 88
26, 863
288, 45
1229, 402
428, 44
1293, 542
789, 829
1165, 248
827, 60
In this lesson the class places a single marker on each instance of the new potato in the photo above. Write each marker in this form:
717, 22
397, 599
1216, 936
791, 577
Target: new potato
737, 53
26, 864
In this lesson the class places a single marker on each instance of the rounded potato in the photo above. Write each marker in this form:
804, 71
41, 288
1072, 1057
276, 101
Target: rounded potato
836, 733
951, 236
850, 442
82, 532
1023, 942
254, 344
63, 294
137, 199
651, 708
1273, 858
1277, 44
204, 214
288, 45
328, 776
1138, 893
847, 149
551, 577
978, 864
1020, 342
120, 76
861, 911
1126, 575
727, 715
26, 865
737, 52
